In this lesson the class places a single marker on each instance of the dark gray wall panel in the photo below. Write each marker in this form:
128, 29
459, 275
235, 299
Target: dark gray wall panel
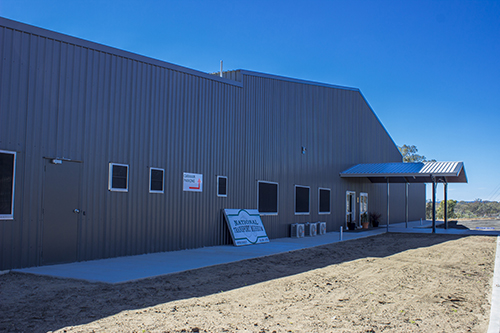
67, 98
337, 128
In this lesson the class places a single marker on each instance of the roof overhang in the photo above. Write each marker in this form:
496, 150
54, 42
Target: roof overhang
421, 172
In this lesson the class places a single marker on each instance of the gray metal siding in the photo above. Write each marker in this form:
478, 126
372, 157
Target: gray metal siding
63, 100
67, 98
337, 128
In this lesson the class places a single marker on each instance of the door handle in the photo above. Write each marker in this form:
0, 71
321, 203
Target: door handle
76, 211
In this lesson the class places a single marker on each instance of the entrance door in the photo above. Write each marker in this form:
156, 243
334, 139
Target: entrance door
61, 210
350, 209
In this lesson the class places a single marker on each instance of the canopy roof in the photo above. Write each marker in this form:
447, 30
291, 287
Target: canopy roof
422, 172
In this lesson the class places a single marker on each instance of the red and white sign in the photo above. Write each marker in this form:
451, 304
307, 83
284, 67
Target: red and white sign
193, 182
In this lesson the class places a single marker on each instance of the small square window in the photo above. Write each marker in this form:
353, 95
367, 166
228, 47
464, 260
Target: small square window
7, 184
221, 186
324, 201
118, 177
156, 180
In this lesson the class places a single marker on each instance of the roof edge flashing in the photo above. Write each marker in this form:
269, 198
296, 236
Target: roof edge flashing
98, 47
293, 80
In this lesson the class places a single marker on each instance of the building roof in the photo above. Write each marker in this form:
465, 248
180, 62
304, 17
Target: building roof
421, 172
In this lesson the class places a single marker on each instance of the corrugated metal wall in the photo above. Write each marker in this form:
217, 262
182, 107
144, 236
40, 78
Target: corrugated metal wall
59, 99
338, 129
67, 98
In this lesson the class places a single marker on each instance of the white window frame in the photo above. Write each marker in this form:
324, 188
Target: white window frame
11, 215
295, 200
218, 194
319, 201
162, 180
277, 199
110, 177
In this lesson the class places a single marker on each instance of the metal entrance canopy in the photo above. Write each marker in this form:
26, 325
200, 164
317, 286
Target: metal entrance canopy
421, 172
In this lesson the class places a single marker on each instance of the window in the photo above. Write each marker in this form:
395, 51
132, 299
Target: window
118, 177
350, 209
7, 182
324, 201
221, 186
267, 198
302, 200
155, 180
363, 207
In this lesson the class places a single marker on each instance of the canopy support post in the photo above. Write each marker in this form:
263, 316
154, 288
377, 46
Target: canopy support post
388, 197
406, 205
445, 205
433, 205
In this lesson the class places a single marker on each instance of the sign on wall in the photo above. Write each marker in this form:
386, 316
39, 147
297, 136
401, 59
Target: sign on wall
245, 226
192, 182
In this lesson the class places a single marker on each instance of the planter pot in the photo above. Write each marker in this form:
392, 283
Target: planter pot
351, 226
365, 225
375, 224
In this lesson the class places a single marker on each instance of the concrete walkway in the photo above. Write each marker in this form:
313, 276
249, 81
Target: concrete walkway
425, 227
123, 269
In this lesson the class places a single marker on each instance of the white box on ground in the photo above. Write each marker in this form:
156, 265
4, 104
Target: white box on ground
310, 229
321, 228
297, 230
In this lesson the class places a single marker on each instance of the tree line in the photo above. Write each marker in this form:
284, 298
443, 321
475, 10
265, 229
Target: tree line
456, 209
465, 209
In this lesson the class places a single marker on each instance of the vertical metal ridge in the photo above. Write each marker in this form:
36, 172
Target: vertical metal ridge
60, 99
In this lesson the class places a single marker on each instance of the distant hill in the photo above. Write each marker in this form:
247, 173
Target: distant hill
465, 209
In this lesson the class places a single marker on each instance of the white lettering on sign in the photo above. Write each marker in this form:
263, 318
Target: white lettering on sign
245, 226
192, 182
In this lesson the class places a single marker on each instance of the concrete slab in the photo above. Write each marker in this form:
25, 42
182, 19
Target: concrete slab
124, 269
425, 227
494, 326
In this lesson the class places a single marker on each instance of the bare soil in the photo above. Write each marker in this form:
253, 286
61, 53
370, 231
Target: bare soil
386, 283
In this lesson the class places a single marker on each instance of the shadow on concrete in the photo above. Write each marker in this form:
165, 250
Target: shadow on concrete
452, 225
33, 303
473, 225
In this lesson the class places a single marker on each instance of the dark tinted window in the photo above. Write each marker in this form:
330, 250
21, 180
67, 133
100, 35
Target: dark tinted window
156, 184
268, 198
301, 199
222, 186
324, 201
119, 180
6, 183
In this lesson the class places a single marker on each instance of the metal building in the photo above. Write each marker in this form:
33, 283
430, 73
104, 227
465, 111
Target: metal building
96, 146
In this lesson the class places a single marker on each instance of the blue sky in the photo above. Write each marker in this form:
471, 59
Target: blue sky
429, 69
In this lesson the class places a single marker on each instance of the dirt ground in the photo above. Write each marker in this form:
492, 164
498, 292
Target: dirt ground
386, 283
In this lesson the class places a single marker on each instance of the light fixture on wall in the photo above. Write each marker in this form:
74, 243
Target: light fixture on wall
303, 150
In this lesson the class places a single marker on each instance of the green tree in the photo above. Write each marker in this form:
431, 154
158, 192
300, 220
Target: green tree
428, 210
451, 209
477, 209
410, 154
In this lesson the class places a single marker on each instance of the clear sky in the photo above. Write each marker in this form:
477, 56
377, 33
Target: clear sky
429, 69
